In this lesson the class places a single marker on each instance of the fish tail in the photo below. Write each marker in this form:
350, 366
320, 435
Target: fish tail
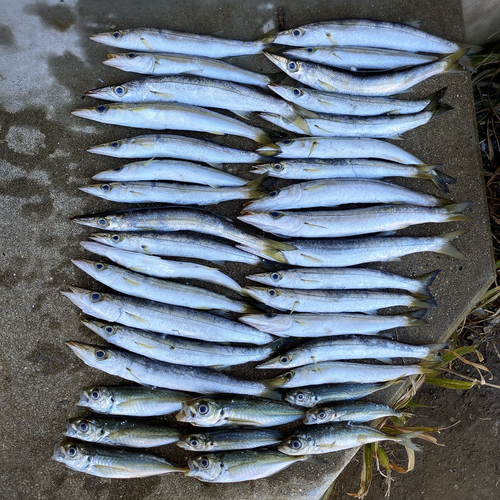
406, 440
416, 318
417, 301
455, 211
437, 107
443, 201
433, 357
299, 121
253, 189
471, 49
268, 37
274, 255
269, 392
447, 248
425, 281
306, 113
262, 137
459, 60
439, 178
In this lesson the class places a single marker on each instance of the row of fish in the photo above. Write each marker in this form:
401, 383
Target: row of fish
173, 338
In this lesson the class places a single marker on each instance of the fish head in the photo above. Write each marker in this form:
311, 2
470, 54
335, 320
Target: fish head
101, 190
291, 37
99, 399
320, 415
94, 303
201, 412
267, 221
114, 93
298, 444
282, 361
85, 429
289, 66
206, 467
195, 442
268, 202
110, 222
72, 454
98, 270
93, 355
272, 297
115, 38
118, 148
137, 62
269, 322
106, 330
120, 171
109, 239
97, 113
302, 397
296, 95
273, 169
273, 278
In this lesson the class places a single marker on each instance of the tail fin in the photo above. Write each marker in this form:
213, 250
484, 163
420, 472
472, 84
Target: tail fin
269, 37
436, 106
455, 211
406, 440
253, 189
458, 60
416, 318
433, 356
439, 178
306, 113
262, 137
447, 248
427, 304
425, 281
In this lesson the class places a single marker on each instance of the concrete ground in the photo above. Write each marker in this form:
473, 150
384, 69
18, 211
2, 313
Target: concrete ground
47, 64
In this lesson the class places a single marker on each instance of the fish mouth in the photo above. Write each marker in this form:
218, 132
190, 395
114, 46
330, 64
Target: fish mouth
91, 189
70, 431
58, 454
252, 320
269, 150
194, 468
83, 112
257, 170
280, 61
100, 37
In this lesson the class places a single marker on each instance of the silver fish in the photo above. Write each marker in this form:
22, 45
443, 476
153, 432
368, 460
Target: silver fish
340, 372
159, 290
170, 170
163, 40
135, 401
346, 104
338, 147
174, 193
104, 461
345, 279
328, 393
355, 58
224, 410
229, 439
358, 221
352, 347
179, 350
333, 301
162, 64
338, 436
154, 373
177, 244
175, 146
236, 466
365, 33
385, 84
352, 251
347, 168
357, 411
323, 325
171, 116
161, 268
121, 432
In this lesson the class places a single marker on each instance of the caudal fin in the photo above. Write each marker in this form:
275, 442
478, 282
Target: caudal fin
433, 356
406, 440
447, 248
439, 178
253, 189
455, 211
425, 281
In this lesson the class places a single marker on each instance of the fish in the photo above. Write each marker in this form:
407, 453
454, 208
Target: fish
104, 461
186, 219
343, 252
171, 116
229, 439
365, 33
161, 268
347, 168
357, 411
175, 146
178, 244
174, 193
163, 64
199, 91
339, 436
333, 301
347, 104
121, 432
359, 58
158, 289
382, 126
222, 410
133, 401
236, 466
154, 373
164, 40
338, 147
358, 221
334, 192
163, 318
178, 350
314, 395
170, 170
341, 372
346, 279
322, 325
377, 84
353, 347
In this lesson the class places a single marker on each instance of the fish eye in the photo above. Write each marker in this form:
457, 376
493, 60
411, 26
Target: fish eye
102, 108
322, 414
272, 194
114, 144
275, 215
83, 426
130, 55
117, 169
297, 92
275, 276
94, 394
287, 141
204, 462
284, 359
278, 167
116, 34
106, 187
100, 354
203, 409
272, 292
119, 90
269, 315
296, 32
310, 50
193, 442
109, 329
296, 444
292, 66
102, 222
72, 451
95, 297
115, 237
300, 396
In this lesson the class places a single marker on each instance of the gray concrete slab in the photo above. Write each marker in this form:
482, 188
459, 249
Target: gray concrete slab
47, 64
